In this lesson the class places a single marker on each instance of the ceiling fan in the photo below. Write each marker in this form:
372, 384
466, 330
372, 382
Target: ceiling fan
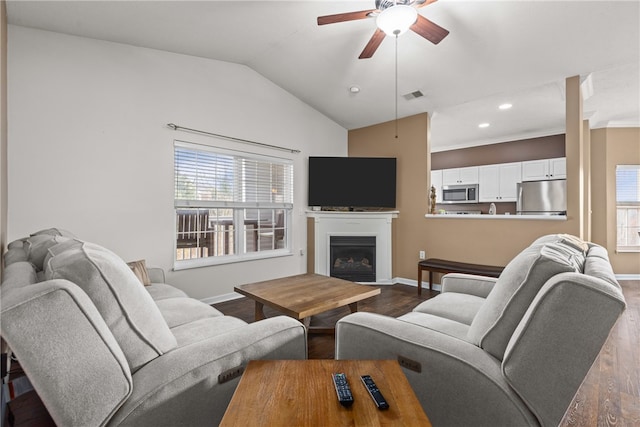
393, 17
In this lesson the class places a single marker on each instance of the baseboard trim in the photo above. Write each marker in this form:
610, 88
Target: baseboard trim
412, 282
628, 276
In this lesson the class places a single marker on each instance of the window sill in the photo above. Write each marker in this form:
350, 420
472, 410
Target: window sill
627, 250
229, 259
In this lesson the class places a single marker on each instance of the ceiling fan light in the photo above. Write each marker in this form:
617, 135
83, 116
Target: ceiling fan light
396, 20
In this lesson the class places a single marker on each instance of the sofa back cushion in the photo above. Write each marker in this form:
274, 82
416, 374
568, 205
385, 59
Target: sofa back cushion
54, 231
514, 291
597, 265
128, 310
37, 248
18, 274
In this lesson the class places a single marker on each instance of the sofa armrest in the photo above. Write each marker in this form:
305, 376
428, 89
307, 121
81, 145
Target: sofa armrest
471, 284
181, 387
558, 339
67, 351
456, 381
156, 275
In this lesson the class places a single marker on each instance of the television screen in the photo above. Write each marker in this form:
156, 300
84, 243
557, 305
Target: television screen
355, 182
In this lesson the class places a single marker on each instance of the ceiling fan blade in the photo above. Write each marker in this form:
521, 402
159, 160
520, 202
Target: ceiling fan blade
425, 3
373, 44
342, 17
430, 31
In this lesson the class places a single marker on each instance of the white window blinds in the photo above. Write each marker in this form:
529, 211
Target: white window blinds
628, 208
207, 176
628, 184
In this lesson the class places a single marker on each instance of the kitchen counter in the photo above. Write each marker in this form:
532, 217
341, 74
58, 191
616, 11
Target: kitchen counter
508, 217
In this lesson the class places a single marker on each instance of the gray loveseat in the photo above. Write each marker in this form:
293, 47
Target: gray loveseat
100, 348
510, 351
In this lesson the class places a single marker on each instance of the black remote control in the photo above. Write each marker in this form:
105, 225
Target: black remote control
375, 394
342, 389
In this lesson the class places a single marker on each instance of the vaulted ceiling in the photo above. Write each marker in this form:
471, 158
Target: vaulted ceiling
516, 52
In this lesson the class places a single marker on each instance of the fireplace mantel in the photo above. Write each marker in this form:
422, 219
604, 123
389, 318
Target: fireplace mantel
321, 225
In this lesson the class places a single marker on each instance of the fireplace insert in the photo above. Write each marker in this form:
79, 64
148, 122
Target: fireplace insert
353, 258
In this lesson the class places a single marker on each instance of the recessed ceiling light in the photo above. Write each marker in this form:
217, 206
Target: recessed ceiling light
483, 125
505, 106
354, 89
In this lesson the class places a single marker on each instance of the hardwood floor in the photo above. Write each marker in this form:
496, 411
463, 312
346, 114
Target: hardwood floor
609, 396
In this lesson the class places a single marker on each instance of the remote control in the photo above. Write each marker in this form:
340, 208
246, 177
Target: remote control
342, 389
375, 394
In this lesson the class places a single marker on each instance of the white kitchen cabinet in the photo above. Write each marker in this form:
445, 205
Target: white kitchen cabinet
498, 183
537, 170
436, 181
457, 176
558, 168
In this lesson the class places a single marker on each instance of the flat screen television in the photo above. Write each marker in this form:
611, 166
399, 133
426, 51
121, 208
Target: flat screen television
352, 182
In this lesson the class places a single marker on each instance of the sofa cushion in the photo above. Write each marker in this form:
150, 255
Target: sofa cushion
452, 305
58, 248
512, 294
54, 232
179, 311
437, 323
160, 291
37, 248
204, 329
597, 266
573, 255
128, 310
15, 255
18, 274
598, 251
17, 244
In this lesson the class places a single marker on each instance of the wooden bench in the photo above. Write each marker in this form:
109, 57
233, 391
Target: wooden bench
434, 265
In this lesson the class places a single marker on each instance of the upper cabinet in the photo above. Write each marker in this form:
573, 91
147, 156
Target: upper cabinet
537, 170
459, 176
436, 181
498, 183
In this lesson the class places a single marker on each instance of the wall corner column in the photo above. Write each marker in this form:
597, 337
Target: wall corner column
586, 165
574, 147
3, 127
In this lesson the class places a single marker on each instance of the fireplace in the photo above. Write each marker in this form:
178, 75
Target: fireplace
322, 226
353, 258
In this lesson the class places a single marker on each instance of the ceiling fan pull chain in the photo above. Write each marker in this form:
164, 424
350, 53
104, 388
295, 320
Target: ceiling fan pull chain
396, 94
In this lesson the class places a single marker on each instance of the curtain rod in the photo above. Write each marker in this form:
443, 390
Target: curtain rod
231, 138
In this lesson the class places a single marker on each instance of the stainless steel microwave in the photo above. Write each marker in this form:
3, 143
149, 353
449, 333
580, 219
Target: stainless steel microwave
460, 193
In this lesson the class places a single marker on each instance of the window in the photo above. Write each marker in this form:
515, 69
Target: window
230, 206
628, 207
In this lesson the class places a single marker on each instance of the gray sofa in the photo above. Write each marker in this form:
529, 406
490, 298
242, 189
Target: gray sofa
102, 349
510, 351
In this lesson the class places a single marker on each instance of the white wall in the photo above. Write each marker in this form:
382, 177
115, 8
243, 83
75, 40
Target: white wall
89, 150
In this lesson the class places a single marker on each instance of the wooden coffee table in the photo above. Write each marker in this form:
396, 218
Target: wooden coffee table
301, 393
305, 295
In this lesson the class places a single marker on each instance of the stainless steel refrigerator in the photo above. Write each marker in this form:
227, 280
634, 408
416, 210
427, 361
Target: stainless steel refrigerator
542, 197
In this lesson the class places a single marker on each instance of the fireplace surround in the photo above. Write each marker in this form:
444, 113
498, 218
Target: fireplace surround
371, 231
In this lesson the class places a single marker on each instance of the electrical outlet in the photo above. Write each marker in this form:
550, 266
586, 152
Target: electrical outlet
422, 255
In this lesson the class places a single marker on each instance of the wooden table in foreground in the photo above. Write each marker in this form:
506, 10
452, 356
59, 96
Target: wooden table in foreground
305, 295
301, 393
